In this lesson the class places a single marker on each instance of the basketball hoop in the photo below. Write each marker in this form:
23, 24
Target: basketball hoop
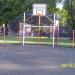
39, 9
38, 14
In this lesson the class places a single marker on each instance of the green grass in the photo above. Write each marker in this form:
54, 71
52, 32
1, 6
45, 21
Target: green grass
34, 40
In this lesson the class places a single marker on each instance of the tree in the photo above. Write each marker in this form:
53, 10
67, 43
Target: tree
9, 9
70, 7
63, 15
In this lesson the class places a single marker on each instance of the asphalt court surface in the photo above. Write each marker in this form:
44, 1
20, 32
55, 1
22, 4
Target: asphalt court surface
36, 60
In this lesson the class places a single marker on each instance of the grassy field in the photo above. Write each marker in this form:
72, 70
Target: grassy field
34, 40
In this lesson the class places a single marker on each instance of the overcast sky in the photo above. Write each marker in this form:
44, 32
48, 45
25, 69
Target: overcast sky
60, 5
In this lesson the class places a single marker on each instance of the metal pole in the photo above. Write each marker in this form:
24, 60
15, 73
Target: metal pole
73, 39
24, 29
54, 31
39, 30
20, 33
4, 35
58, 34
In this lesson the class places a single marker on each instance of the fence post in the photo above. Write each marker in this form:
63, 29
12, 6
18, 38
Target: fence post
4, 35
24, 29
73, 39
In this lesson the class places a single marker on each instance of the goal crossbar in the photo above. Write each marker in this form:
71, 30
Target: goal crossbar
38, 26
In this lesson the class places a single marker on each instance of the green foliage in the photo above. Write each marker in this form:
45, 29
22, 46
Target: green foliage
9, 9
63, 16
70, 7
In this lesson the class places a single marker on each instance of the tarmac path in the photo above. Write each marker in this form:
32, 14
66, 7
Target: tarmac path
36, 60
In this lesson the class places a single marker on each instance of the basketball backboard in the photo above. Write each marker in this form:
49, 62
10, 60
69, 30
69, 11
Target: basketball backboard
39, 9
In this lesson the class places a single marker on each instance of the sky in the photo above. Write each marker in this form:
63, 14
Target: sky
60, 5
